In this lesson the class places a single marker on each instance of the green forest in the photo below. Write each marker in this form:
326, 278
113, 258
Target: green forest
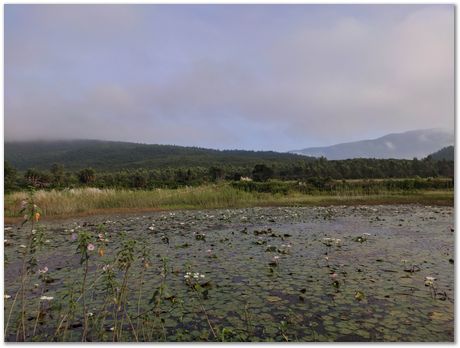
73, 164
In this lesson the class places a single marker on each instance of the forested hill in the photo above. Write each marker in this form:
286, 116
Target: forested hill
446, 153
112, 156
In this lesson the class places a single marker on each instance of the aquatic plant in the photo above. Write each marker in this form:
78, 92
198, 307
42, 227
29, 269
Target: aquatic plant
34, 240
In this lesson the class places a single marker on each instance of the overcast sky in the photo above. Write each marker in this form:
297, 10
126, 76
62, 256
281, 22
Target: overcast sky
272, 77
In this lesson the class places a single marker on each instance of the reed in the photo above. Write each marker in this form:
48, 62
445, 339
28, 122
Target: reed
71, 202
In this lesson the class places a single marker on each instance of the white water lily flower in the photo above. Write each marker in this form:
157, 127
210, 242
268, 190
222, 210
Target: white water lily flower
46, 298
201, 275
44, 270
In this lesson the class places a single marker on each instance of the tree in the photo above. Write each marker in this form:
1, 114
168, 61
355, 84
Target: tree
87, 175
216, 173
261, 172
10, 175
37, 178
139, 179
57, 170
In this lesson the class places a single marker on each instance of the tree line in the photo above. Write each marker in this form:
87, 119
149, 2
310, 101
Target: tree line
58, 177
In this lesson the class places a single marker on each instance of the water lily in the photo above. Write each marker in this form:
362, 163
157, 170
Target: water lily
90, 247
42, 271
46, 298
429, 281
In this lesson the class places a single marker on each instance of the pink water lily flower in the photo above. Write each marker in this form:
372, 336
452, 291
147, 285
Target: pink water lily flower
91, 247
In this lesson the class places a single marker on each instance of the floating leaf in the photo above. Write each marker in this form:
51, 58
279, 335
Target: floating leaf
359, 295
274, 299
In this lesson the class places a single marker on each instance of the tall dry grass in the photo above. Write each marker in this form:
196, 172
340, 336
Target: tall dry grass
91, 200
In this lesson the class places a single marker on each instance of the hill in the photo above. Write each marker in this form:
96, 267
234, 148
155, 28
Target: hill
446, 153
111, 155
407, 145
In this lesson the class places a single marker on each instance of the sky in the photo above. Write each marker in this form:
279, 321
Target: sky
257, 77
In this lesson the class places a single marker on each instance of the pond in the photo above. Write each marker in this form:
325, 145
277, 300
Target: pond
363, 273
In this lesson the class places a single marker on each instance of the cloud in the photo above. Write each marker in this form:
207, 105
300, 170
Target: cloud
198, 76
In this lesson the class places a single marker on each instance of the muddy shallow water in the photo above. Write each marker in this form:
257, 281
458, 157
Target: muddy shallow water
270, 273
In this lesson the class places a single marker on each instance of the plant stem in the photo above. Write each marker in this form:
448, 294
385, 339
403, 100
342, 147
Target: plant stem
85, 315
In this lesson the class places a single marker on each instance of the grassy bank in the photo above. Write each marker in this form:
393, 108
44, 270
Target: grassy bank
94, 201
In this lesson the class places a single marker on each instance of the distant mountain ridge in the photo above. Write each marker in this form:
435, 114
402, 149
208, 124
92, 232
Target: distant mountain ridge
114, 155
406, 145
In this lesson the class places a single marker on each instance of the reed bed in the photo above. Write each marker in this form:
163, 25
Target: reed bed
93, 200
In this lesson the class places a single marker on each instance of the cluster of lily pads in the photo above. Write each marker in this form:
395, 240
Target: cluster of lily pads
143, 279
